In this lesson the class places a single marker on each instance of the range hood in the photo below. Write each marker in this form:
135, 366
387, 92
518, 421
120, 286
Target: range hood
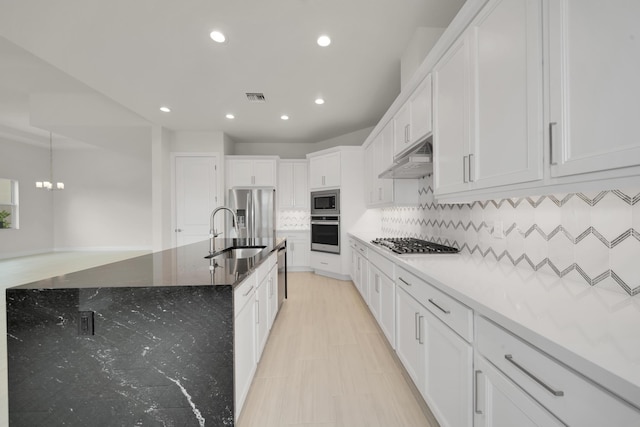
414, 163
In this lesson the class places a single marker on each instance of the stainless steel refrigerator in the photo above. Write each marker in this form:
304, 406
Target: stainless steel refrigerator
255, 209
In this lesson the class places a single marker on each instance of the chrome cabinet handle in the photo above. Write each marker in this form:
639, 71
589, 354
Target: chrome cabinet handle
257, 312
417, 316
404, 281
475, 405
178, 230
420, 329
551, 157
551, 390
464, 169
248, 291
469, 157
439, 307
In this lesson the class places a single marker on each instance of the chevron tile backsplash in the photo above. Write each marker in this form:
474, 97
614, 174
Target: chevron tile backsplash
293, 220
594, 237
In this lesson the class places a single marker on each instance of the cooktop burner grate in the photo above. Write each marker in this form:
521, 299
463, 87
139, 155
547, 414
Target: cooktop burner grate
410, 245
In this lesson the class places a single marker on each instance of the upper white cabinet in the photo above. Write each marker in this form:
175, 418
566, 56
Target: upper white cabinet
594, 66
324, 170
488, 122
293, 186
251, 171
412, 122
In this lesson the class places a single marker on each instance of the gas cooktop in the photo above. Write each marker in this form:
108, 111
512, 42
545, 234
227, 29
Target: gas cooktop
409, 245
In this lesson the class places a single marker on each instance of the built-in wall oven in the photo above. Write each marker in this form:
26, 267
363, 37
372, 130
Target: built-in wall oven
325, 233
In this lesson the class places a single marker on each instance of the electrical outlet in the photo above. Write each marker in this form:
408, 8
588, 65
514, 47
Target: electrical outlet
85, 323
498, 230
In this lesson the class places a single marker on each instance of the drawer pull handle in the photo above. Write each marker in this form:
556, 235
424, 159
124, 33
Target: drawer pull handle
475, 406
404, 281
439, 308
248, 292
509, 358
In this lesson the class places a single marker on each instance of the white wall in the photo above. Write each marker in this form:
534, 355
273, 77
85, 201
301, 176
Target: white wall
299, 151
106, 203
423, 40
27, 164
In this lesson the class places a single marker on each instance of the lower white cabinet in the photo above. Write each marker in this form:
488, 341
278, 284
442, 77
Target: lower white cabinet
375, 280
298, 251
448, 373
244, 340
262, 319
409, 340
273, 294
499, 402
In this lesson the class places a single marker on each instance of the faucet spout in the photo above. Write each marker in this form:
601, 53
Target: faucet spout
212, 231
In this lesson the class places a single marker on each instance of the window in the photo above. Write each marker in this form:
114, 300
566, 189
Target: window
8, 204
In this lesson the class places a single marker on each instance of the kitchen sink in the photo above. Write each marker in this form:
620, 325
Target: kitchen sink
237, 252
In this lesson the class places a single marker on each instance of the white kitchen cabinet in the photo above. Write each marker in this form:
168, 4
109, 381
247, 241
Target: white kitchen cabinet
244, 351
298, 249
439, 356
451, 117
293, 186
448, 374
594, 108
499, 402
251, 171
360, 269
413, 121
273, 292
570, 397
375, 288
262, 319
324, 171
488, 122
409, 340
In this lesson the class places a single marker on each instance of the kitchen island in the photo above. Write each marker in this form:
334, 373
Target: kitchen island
145, 341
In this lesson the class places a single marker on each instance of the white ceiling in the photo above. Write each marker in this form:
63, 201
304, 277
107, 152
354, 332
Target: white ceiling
146, 53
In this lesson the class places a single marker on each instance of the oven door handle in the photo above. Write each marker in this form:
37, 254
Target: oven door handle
325, 222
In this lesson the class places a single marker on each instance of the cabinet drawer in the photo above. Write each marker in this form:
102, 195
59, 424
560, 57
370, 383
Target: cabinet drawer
569, 396
243, 293
382, 263
454, 314
326, 262
360, 248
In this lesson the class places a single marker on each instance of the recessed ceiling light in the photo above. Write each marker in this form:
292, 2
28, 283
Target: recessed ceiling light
165, 109
319, 101
284, 117
217, 36
324, 41
230, 116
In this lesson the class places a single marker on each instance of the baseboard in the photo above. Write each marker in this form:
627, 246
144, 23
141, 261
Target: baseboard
297, 269
332, 275
25, 253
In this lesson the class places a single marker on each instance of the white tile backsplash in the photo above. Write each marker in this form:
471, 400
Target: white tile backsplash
293, 220
592, 236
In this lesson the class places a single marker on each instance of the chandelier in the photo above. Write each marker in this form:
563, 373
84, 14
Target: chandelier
48, 185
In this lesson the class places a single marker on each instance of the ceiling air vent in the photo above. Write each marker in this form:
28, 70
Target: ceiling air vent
256, 97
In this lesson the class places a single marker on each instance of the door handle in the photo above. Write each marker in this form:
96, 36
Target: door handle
475, 405
528, 373
417, 316
464, 169
178, 230
552, 160
469, 157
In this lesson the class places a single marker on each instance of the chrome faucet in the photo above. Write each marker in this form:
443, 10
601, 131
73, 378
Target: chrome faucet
212, 231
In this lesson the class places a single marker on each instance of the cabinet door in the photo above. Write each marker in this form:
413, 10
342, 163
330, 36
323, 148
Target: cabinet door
451, 115
286, 186
594, 85
370, 177
239, 173
264, 173
262, 322
408, 342
500, 403
401, 124
244, 353
384, 160
273, 295
375, 277
507, 88
448, 374
300, 176
300, 253
387, 319
332, 170
420, 124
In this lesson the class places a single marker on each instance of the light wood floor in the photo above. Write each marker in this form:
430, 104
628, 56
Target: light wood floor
326, 364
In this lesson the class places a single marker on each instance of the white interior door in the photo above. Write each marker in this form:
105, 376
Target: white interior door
196, 195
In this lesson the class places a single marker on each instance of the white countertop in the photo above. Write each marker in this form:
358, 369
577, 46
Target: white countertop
595, 331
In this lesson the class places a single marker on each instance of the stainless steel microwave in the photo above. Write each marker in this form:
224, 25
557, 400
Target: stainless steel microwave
325, 202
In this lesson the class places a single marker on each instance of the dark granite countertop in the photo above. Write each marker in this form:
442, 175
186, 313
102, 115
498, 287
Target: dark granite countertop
181, 266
